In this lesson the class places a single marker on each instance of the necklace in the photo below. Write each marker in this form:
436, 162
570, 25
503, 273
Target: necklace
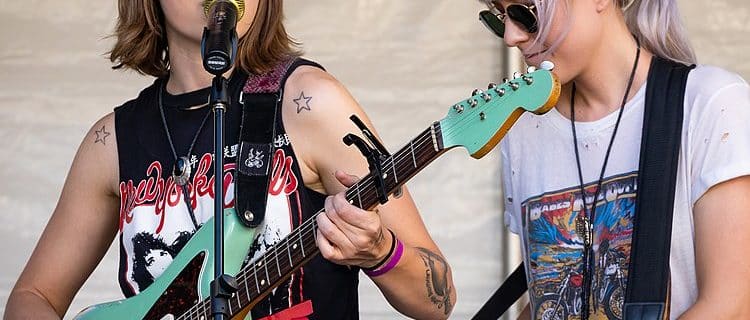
584, 225
182, 165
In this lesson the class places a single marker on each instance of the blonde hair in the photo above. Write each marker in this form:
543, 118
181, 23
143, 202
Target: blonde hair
658, 26
655, 23
141, 43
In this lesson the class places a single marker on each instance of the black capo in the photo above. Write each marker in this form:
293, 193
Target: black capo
375, 157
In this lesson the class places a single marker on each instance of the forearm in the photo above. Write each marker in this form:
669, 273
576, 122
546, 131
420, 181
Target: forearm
27, 305
420, 286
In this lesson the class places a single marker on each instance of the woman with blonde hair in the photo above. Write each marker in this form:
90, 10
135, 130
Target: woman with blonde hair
570, 175
143, 174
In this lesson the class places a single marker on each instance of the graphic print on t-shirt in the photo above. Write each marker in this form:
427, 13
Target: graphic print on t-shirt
555, 249
155, 223
154, 220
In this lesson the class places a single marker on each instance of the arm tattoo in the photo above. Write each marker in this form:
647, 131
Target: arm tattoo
303, 102
436, 279
101, 135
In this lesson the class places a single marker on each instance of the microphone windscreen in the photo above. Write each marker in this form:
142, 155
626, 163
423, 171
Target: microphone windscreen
239, 4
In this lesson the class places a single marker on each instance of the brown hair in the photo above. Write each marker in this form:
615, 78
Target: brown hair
142, 43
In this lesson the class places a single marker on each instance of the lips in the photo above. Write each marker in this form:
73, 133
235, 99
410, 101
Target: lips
533, 59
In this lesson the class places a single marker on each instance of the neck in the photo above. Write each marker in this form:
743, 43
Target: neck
601, 84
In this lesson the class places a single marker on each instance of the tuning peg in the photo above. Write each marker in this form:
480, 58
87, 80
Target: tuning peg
486, 97
459, 108
514, 86
530, 69
472, 102
476, 92
505, 80
516, 75
500, 92
529, 80
491, 86
547, 65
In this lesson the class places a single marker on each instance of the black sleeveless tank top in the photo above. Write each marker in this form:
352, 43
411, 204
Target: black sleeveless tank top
154, 220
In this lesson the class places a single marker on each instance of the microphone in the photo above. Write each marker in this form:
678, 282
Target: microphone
219, 42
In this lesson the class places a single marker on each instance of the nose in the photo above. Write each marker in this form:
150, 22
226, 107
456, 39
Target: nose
514, 35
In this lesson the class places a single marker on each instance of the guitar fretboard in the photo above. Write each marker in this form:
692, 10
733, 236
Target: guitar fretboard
285, 257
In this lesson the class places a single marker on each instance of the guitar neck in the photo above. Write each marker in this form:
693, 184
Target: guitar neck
256, 280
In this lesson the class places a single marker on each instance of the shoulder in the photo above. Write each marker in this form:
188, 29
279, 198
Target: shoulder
715, 75
706, 82
314, 97
315, 80
134, 104
97, 154
711, 91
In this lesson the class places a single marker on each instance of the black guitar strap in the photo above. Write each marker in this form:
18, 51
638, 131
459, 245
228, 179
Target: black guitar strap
509, 292
647, 291
261, 102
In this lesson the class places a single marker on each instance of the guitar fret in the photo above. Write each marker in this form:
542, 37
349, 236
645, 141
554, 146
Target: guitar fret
239, 301
393, 166
289, 254
302, 245
247, 290
359, 196
434, 138
413, 158
255, 275
265, 266
229, 304
278, 266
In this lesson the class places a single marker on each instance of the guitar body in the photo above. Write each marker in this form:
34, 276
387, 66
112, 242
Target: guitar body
187, 279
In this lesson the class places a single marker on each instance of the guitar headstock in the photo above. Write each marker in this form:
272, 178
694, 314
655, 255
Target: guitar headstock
481, 121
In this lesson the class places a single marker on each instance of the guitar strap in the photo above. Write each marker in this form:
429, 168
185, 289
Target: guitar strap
647, 293
261, 99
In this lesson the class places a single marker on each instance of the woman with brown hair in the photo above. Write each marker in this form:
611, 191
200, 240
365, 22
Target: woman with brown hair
143, 174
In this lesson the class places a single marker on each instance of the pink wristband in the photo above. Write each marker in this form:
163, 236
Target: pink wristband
391, 264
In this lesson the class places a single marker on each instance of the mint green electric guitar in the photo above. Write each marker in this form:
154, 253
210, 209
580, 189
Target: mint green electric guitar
182, 291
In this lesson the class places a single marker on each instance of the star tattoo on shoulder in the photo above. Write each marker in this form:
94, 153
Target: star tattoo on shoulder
303, 102
101, 135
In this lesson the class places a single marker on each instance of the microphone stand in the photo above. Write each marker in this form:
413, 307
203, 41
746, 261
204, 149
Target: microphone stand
223, 285
218, 48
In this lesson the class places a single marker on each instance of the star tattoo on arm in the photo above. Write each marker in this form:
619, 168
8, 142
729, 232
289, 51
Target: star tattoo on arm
436, 279
303, 102
101, 135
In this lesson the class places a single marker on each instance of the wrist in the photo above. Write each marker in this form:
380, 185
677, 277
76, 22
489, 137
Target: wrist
390, 261
387, 245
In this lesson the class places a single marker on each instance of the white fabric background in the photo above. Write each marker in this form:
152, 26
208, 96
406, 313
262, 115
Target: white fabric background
405, 61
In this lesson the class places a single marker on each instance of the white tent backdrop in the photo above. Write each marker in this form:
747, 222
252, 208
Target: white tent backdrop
405, 61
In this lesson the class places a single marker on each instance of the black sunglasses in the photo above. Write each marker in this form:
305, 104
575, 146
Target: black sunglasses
523, 15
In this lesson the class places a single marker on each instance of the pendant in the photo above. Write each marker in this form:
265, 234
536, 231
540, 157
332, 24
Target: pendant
181, 171
583, 228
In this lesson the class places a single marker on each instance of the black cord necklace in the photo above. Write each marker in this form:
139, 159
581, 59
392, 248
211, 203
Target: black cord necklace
182, 165
584, 225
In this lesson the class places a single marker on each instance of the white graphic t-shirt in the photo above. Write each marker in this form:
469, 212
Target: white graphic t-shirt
543, 198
